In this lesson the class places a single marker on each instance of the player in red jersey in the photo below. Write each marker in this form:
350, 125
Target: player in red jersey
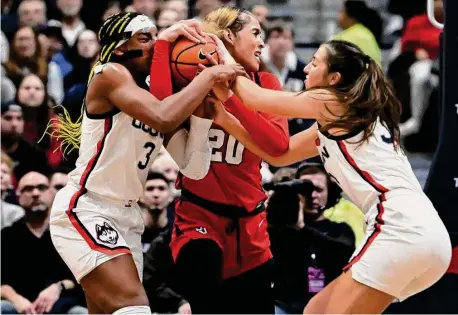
220, 242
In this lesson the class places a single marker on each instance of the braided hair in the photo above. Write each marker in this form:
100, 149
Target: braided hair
110, 35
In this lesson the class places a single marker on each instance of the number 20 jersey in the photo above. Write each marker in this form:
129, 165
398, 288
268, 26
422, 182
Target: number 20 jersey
369, 169
115, 155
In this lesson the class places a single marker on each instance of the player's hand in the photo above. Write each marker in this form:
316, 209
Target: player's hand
47, 298
187, 28
224, 73
23, 306
185, 309
206, 110
223, 54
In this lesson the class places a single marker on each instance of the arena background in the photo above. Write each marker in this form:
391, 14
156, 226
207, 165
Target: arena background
433, 151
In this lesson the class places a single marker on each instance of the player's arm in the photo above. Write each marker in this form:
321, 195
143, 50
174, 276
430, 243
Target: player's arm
301, 146
120, 89
268, 131
191, 150
307, 104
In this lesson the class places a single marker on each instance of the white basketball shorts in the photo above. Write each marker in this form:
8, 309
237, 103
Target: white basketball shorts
88, 230
407, 247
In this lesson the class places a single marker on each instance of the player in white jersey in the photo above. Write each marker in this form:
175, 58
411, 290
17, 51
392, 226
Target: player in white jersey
407, 247
95, 219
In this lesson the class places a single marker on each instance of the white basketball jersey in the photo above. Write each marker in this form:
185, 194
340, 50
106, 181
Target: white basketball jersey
368, 169
115, 155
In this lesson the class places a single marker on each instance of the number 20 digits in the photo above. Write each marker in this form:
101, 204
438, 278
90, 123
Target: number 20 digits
234, 149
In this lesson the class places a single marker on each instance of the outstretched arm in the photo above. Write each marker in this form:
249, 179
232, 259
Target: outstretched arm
301, 146
270, 132
308, 104
119, 88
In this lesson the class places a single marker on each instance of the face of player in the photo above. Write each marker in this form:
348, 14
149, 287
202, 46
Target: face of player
317, 71
247, 46
144, 42
320, 194
31, 91
156, 194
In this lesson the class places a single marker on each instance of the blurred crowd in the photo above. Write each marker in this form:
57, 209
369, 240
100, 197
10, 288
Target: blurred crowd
47, 50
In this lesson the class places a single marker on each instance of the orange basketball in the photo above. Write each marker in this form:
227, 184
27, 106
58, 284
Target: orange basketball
186, 56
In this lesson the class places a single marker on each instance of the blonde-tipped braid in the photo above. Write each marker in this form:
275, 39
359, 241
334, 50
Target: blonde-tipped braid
62, 127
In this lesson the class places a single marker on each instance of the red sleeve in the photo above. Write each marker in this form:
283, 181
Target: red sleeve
270, 132
160, 76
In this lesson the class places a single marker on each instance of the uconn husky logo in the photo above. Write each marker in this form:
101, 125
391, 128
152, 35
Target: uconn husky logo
106, 234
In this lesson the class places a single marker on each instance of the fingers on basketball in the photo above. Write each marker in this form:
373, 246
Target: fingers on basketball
188, 57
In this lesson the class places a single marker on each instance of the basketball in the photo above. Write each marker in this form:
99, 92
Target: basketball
186, 56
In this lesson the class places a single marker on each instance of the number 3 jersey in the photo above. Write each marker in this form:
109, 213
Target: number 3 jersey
369, 169
115, 155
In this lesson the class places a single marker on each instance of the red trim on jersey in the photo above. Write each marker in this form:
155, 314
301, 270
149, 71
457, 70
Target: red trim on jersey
74, 200
377, 228
365, 175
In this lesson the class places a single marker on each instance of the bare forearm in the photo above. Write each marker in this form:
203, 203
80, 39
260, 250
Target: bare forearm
281, 103
178, 107
301, 146
8, 293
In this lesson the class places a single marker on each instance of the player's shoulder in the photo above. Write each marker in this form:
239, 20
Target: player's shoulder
267, 75
269, 80
114, 71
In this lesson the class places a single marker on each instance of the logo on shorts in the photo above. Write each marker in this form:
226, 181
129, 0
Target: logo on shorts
201, 230
106, 234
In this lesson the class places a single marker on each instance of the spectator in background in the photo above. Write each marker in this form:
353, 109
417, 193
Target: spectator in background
166, 165
146, 7
10, 211
26, 57
361, 26
180, 6
8, 89
4, 48
32, 13
261, 12
206, 6
72, 24
282, 61
58, 181
329, 194
113, 7
156, 197
35, 280
166, 19
55, 46
159, 278
26, 157
84, 54
421, 38
309, 250
37, 111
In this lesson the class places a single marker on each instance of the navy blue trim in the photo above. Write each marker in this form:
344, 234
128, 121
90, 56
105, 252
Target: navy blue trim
109, 114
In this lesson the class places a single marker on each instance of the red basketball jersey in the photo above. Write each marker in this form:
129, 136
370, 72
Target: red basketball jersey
234, 177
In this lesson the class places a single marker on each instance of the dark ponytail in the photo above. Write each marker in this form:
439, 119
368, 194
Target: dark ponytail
363, 90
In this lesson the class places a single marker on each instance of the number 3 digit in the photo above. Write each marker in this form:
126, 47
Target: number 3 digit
151, 146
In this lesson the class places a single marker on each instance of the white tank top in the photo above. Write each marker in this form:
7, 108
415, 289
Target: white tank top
366, 170
115, 155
